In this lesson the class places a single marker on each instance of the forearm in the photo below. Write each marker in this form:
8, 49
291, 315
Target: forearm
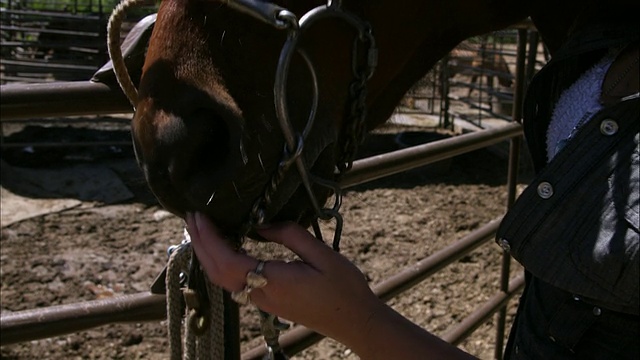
323, 291
388, 335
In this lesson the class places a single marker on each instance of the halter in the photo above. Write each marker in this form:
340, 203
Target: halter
282, 19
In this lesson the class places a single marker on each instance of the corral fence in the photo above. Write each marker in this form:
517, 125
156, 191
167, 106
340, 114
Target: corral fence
102, 96
475, 81
55, 40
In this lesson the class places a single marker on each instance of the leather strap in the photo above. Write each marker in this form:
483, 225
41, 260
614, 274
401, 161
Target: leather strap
623, 77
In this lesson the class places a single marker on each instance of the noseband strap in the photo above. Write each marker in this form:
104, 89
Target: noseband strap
264, 11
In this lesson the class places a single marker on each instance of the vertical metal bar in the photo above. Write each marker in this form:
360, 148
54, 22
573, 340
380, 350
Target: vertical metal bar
520, 78
514, 155
532, 56
444, 90
231, 328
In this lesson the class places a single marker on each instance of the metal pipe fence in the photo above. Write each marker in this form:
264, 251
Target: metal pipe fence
33, 324
55, 40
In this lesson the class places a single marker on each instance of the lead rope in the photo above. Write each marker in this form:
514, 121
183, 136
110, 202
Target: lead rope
204, 338
203, 328
176, 268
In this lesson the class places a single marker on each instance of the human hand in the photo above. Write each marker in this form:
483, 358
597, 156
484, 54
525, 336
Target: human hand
323, 291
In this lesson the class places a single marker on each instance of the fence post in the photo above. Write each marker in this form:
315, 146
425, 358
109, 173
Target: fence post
444, 93
231, 328
514, 155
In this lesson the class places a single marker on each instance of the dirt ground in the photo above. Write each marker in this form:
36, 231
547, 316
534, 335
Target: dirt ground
96, 249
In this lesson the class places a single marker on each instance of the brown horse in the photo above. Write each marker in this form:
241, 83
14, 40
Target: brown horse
206, 129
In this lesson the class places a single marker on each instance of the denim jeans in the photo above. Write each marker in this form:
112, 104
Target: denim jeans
554, 324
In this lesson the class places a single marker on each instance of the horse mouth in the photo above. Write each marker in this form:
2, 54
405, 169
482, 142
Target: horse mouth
198, 171
208, 152
240, 207
236, 218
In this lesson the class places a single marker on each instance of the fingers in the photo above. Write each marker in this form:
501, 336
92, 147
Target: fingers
300, 241
228, 268
224, 266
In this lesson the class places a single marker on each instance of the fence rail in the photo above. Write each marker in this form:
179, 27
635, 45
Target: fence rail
47, 41
58, 320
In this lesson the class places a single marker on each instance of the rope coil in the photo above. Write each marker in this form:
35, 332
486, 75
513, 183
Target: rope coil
203, 328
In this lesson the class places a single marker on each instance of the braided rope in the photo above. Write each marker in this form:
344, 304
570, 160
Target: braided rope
178, 264
115, 52
190, 341
205, 344
211, 343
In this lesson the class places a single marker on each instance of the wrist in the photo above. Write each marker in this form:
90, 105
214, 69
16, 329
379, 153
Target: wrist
389, 335
368, 338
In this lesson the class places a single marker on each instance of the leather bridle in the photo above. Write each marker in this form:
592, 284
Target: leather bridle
283, 19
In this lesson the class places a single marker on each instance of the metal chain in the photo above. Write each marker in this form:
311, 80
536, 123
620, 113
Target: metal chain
257, 216
355, 125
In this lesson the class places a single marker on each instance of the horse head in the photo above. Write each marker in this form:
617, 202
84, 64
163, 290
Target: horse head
207, 128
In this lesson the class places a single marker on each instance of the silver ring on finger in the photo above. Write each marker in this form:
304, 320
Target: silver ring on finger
254, 280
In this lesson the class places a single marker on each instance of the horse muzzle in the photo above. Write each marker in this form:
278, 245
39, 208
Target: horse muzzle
186, 156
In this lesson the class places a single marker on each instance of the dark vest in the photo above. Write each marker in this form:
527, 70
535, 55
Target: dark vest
577, 225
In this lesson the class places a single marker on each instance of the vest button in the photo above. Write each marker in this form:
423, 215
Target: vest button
597, 311
504, 244
608, 127
545, 190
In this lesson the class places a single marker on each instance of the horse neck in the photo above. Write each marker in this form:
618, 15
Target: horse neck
412, 42
556, 22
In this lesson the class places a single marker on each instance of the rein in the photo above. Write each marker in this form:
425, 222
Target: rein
281, 19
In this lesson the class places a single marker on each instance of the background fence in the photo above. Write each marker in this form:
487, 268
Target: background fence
55, 40
475, 81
